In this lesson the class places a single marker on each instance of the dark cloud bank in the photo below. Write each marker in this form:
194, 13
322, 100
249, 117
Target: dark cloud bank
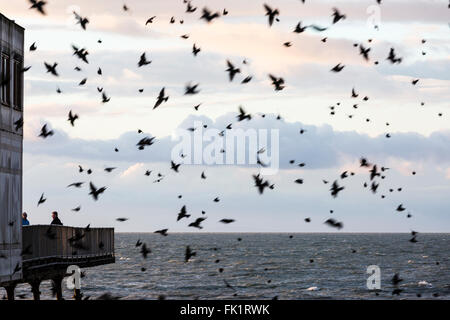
319, 146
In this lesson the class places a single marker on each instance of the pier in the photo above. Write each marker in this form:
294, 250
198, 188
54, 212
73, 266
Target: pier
32, 254
49, 250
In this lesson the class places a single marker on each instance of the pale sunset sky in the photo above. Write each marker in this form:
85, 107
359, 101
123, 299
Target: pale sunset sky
331, 144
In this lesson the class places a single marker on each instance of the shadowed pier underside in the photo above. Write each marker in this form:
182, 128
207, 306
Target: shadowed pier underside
49, 250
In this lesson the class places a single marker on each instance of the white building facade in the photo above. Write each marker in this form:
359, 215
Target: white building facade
11, 141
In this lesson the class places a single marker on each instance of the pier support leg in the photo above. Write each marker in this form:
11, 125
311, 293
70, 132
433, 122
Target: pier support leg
10, 291
35, 284
77, 294
57, 285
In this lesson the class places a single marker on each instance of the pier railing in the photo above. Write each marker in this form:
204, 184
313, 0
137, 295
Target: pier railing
45, 246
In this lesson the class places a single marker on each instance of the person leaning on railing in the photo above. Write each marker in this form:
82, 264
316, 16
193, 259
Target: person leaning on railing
25, 221
56, 219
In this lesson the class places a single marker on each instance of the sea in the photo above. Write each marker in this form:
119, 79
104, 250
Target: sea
268, 266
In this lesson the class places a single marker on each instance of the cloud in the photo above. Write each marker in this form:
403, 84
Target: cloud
131, 75
318, 147
132, 170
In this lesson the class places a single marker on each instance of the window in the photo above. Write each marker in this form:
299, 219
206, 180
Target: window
5, 80
18, 80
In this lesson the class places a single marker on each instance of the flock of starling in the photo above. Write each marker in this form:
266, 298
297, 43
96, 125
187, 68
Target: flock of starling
375, 172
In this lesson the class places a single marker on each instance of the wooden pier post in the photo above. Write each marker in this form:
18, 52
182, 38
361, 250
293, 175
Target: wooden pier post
77, 294
35, 284
57, 285
10, 291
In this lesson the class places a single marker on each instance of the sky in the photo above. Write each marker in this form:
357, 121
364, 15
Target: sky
330, 144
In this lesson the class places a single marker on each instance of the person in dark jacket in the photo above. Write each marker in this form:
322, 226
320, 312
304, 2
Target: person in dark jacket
56, 219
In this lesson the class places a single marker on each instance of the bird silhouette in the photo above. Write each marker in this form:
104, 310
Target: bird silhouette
242, 115
182, 214
81, 53
392, 57
83, 82
150, 20
81, 20
143, 61
299, 28
374, 187
95, 192
364, 52
335, 189
175, 166
246, 79
335, 224
145, 251
190, 8
17, 268
41, 200
18, 124
260, 183
51, 68
45, 133
72, 118
105, 98
196, 223
189, 254
190, 90
195, 50
337, 16
39, 5
162, 232
227, 221
278, 83
396, 279
363, 162
161, 98
208, 16
75, 184
272, 14
50, 233
145, 142
373, 172
337, 68
232, 70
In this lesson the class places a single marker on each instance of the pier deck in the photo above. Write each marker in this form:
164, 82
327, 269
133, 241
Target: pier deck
49, 250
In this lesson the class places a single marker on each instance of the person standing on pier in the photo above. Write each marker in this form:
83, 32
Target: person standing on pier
25, 221
56, 219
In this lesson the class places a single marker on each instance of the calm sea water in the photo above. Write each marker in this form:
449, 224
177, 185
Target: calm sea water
263, 266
